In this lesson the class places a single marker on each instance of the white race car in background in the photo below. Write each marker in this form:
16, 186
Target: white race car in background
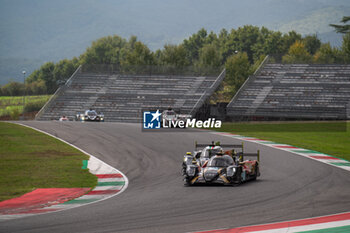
63, 118
169, 117
90, 115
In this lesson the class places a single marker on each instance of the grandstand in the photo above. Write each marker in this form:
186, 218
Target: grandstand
121, 96
295, 92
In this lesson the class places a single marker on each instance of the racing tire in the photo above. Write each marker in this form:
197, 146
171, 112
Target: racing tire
187, 182
236, 183
257, 171
238, 178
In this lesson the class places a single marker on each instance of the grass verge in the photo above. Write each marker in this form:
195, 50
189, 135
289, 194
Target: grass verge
12, 104
30, 159
332, 138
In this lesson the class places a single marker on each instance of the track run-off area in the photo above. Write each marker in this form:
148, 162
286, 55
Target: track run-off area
290, 187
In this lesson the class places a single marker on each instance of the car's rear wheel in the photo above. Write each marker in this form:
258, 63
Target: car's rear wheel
257, 171
238, 177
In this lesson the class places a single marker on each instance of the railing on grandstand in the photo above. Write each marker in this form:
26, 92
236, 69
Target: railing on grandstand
266, 60
208, 92
58, 92
150, 70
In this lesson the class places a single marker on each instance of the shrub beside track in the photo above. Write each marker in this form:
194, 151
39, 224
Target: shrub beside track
327, 137
12, 105
30, 159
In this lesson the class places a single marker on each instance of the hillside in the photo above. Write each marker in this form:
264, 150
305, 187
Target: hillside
317, 22
36, 31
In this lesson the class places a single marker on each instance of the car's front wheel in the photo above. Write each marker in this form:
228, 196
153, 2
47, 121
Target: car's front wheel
238, 177
187, 181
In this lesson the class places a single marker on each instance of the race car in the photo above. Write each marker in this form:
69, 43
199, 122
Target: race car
210, 150
183, 117
90, 115
63, 118
170, 118
222, 167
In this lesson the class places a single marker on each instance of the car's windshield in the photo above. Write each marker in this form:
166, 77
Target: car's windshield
222, 161
91, 113
208, 153
170, 113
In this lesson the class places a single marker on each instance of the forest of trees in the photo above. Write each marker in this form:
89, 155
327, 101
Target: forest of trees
240, 51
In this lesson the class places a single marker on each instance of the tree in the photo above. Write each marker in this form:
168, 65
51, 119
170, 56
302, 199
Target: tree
36, 88
138, 54
246, 38
202, 50
346, 47
106, 50
328, 55
289, 39
342, 28
297, 53
312, 44
194, 43
237, 70
49, 76
269, 43
64, 69
209, 57
13, 89
46, 74
175, 55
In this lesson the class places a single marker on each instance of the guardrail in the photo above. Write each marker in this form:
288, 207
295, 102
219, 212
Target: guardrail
56, 94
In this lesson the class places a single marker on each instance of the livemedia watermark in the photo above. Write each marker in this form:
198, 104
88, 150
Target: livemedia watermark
168, 119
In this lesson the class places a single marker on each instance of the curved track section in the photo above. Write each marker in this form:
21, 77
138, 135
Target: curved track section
291, 186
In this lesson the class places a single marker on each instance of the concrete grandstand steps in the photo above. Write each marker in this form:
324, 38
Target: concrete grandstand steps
122, 97
295, 91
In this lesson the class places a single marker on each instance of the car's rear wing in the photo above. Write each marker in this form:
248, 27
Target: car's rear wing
196, 144
241, 155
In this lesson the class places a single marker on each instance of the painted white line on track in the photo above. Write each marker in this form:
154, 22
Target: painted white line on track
96, 165
297, 151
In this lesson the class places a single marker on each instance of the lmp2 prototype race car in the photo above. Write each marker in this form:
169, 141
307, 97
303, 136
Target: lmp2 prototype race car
213, 165
90, 115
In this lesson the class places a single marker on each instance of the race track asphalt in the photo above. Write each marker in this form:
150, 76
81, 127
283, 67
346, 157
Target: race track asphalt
290, 187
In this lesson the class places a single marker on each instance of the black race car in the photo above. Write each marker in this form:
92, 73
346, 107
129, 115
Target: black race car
221, 167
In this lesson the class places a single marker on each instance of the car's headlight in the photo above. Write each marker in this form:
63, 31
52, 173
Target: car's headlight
230, 171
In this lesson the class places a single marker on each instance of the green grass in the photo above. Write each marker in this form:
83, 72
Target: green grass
30, 160
10, 103
332, 138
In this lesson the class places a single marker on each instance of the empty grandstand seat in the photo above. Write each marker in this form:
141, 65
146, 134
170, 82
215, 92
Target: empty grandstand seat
122, 97
294, 91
